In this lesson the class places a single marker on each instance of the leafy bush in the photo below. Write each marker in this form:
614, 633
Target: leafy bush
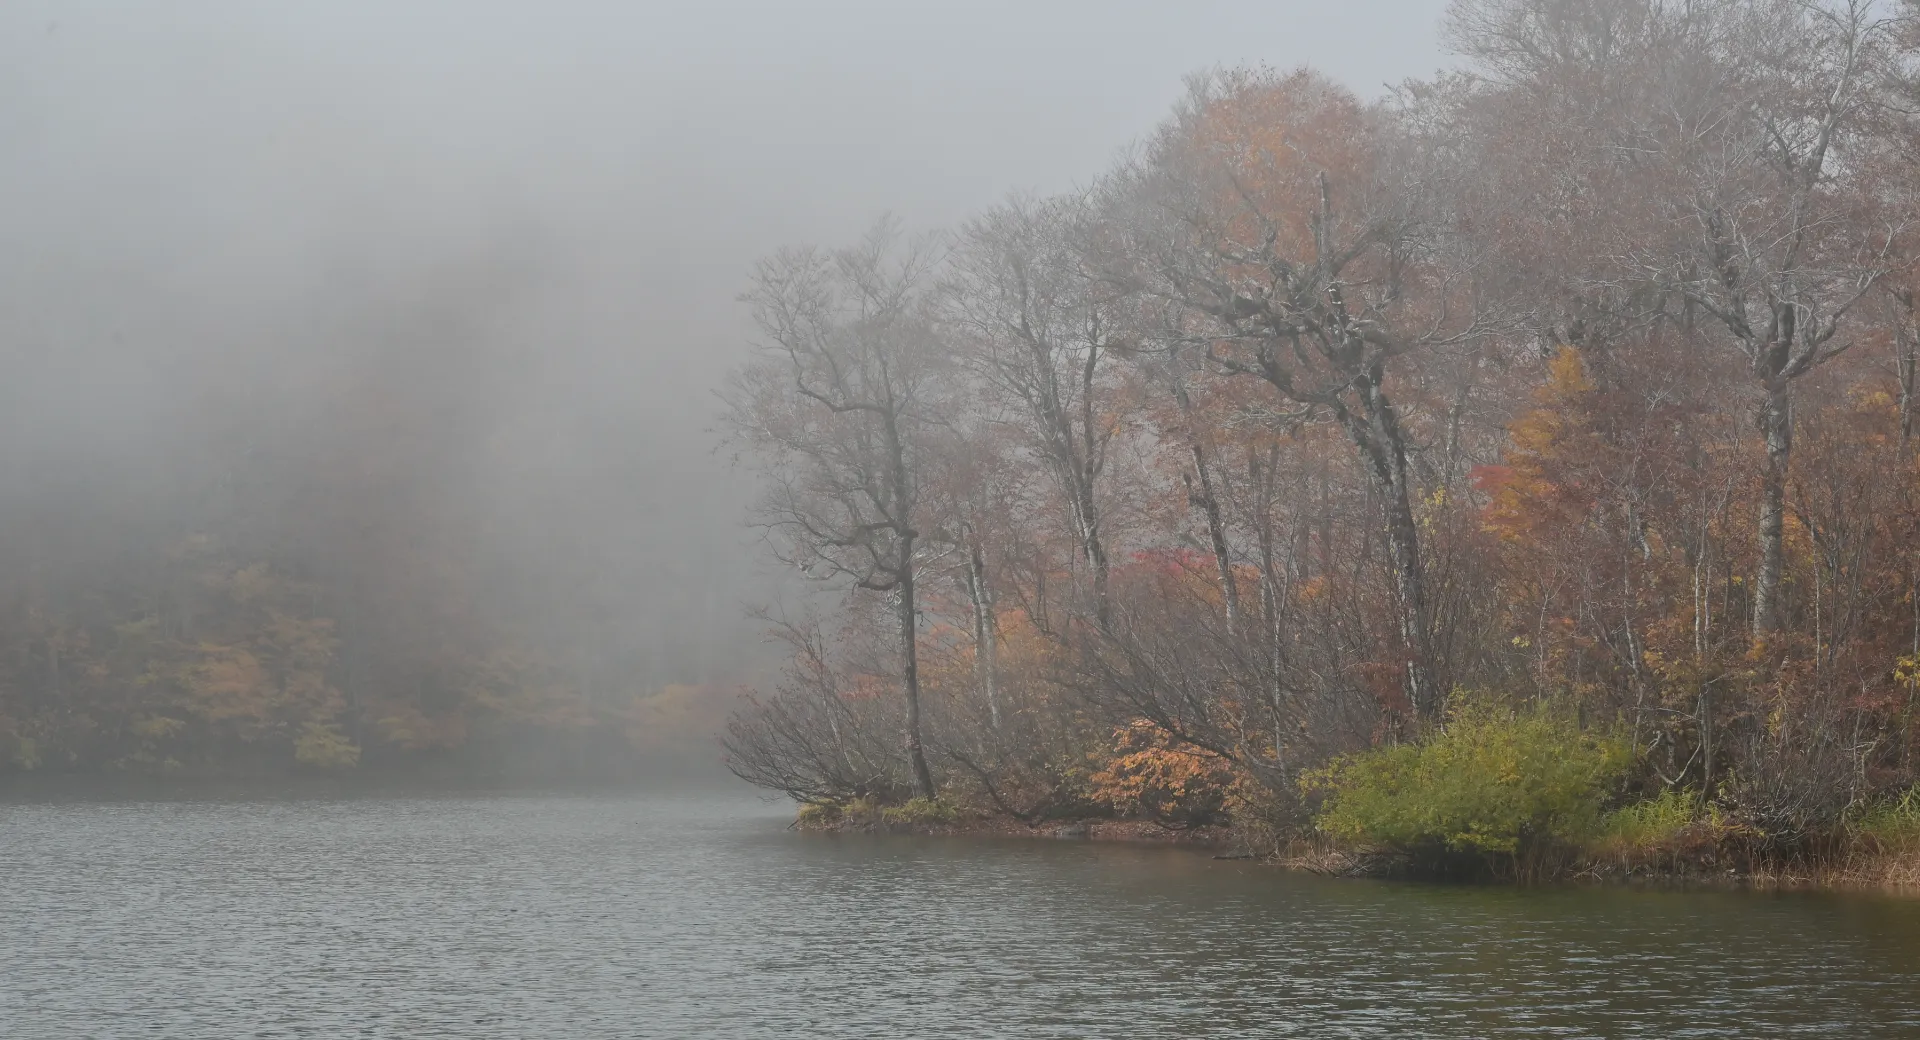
1669, 832
1494, 787
23, 754
1654, 822
325, 747
1150, 776
1894, 824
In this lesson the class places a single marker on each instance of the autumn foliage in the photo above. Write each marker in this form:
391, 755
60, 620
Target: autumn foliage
1314, 413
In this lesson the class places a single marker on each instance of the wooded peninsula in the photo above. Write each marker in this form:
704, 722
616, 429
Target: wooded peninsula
1516, 474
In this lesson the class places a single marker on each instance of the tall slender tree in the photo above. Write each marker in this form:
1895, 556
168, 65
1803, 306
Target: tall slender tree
834, 410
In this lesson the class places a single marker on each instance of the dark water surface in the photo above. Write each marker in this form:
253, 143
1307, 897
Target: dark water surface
680, 916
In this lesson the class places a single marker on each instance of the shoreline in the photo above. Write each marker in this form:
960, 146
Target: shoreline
1140, 832
1890, 874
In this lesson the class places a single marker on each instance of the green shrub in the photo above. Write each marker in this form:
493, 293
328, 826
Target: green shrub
1657, 821
1496, 787
1671, 832
325, 747
1893, 824
24, 754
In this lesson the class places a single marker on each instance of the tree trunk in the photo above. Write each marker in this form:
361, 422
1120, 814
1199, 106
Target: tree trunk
1776, 424
1376, 432
1089, 466
1096, 561
985, 648
1271, 598
1706, 745
1410, 597
1202, 496
910, 670
1907, 360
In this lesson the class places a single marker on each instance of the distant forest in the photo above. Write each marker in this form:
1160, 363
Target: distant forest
344, 527
1553, 416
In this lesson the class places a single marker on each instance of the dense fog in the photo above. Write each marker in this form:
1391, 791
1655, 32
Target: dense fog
401, 323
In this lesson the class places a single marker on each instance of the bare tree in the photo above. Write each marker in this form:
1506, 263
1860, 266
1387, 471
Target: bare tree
834, 410
1037, 330
1777, 260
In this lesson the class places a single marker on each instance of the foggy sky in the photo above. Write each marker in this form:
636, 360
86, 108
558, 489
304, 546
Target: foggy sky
245, 191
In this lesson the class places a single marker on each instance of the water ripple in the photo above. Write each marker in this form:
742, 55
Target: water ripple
688, 917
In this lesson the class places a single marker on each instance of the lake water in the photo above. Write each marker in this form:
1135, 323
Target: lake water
680, 916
